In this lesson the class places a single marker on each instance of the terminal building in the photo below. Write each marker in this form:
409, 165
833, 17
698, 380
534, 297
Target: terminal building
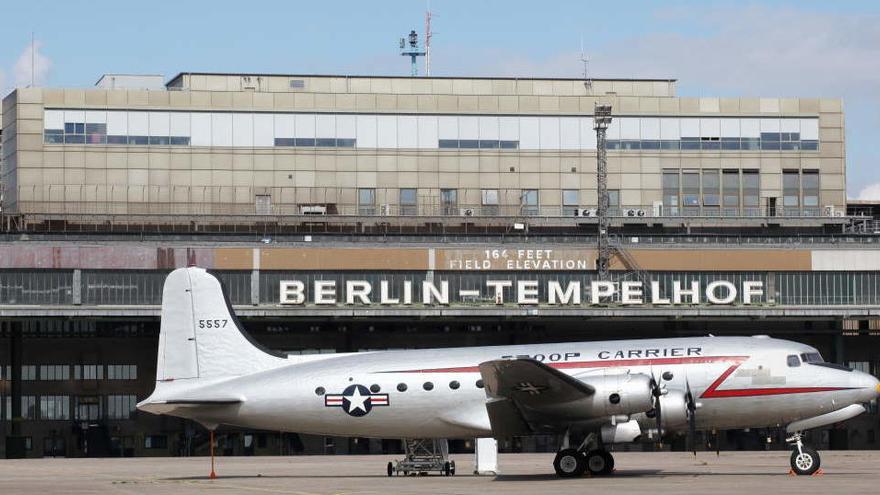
350, 213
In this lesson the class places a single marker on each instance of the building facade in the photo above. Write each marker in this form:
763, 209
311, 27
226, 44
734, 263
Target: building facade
351, 213
248, 144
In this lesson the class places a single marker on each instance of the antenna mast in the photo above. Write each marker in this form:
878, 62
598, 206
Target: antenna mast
428, 40
588, 82
33, 60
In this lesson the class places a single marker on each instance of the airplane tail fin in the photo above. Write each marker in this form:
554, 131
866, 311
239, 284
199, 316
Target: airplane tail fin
199, 335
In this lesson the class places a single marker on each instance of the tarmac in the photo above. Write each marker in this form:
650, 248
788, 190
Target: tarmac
658, 473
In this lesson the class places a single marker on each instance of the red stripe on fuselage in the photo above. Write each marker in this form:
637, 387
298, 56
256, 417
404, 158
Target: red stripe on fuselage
757, 392
712, 391
598, 364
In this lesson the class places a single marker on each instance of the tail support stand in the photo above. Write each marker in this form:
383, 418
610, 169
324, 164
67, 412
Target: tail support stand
213, 475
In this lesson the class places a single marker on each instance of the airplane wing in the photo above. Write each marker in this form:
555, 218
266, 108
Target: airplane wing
527, 396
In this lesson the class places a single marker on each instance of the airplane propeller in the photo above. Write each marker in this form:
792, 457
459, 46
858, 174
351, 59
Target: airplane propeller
657, 391
692, 419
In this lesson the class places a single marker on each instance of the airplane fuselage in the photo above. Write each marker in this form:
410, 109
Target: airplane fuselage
737, 382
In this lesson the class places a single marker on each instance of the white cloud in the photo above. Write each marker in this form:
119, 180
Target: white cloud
32, 66
743, 51
871, 192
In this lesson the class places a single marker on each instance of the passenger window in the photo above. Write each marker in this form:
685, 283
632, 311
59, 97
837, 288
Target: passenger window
793, 361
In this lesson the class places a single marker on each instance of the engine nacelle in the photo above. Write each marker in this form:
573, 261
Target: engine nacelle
673, 411
620, 394
625, 432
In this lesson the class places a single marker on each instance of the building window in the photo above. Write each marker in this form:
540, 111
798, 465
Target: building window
449, 201
810, 185
366, 201
711, 192
28, 372
155, 442
29, 407
122, 372
408, 202
670, 192
50, 372
489, 199
690, 192
88, 372
570, 202
863, 366
613, 202
529, 202
120, 406
6, 408
730, 192
54, 407
751, 193
791, 190
88, 408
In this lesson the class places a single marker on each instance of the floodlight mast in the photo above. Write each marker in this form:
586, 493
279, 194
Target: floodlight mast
409, 47
601, 120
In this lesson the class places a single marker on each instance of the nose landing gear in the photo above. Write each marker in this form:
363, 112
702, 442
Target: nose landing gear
805, 461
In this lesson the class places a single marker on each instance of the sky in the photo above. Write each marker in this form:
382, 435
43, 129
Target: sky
800, 48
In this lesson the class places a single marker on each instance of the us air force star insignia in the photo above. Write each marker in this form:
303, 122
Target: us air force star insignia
530, 388
356, 400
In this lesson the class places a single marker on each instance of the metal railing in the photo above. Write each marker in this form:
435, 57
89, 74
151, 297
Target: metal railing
108, 199
584, 213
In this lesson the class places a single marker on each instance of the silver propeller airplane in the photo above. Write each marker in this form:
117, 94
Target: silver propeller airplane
593, 393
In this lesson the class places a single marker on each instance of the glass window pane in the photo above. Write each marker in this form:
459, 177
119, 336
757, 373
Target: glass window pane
407, 196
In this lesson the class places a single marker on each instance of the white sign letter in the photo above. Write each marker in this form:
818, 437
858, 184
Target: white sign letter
292, 292
429, 292
325, 292
407, 292
527, 292
752, 288
655, 294
384, 294
711, 292
572, 294
359, 289
499, 286
599, 289
630, 292
693, 294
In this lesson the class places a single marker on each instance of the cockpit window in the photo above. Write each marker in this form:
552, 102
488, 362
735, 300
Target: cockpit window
793, 361
812, 357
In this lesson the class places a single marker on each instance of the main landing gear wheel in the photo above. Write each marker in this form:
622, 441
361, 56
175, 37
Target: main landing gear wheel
600, 462
449, 468
390, 469
569, 463
804, 461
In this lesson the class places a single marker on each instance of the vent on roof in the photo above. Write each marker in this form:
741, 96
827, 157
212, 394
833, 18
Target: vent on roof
297, 84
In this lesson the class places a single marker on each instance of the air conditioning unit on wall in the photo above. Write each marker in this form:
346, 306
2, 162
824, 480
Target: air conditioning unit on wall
585, 212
